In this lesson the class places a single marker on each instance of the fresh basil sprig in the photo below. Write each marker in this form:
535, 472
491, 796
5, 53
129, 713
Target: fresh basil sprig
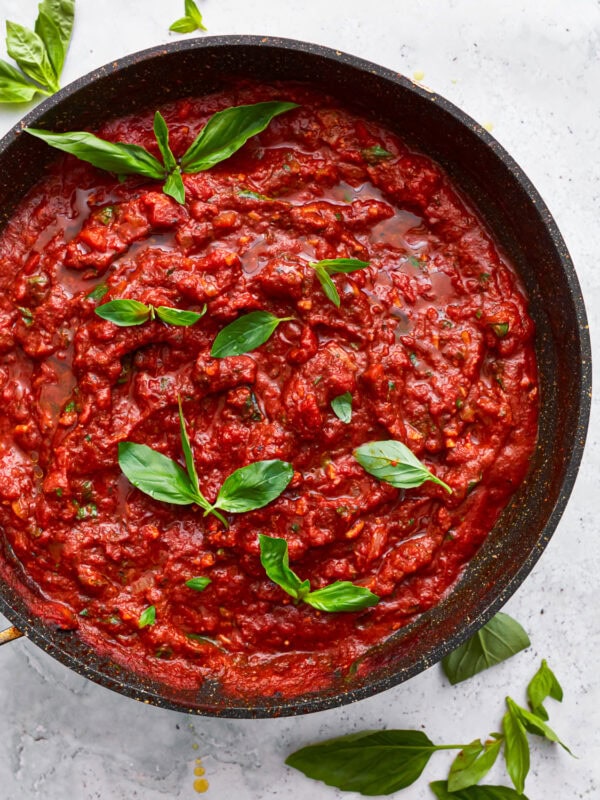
392, 462
192, 21
224, 133
382, 762
342, 407
246, 333
330, 266
40, 54
126, 313
338, 596
500, 639
158, 476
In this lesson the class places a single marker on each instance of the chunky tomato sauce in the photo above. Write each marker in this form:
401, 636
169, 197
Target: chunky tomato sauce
432, 340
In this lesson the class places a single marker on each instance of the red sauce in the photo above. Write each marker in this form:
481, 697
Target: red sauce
433, 341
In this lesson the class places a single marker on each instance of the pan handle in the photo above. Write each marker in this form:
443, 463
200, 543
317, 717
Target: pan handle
9, 634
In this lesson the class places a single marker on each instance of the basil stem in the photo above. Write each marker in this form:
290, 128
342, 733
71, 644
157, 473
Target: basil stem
394, 463
246, 333
338, 596
330, 266
500, 639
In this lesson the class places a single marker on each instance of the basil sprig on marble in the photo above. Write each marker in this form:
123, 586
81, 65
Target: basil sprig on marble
224, 134
342, 407
192, 21
126, 313
392, 462
158, 476
500, 639
383, 762
338, 596
40, 54
246, 333
331, 266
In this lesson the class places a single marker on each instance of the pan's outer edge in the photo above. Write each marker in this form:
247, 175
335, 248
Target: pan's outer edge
41, 635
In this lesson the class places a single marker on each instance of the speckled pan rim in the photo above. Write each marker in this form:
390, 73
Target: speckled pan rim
43, 637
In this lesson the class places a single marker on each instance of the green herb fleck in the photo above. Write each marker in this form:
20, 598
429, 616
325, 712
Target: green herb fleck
500, 329
147, 617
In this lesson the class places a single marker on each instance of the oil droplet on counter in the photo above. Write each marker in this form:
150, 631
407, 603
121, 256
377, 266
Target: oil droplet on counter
418, 75
200, 784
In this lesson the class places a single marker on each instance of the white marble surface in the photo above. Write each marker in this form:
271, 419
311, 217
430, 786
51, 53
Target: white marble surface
532, 70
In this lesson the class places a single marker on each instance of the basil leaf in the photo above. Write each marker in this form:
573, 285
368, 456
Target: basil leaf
124, 312
473, 763
370, 762
46, 29
516, 750
543, 684
161, 134
246, 333
192, 11
441, 791
341, 596
62, 14
147, 617
275, 560
174, 187
342, 407
184, 25
98, 292
156, 475
29, 52
500, 639
14, 87
394, 463
189, 457
118, 157
338, 596
328, 286
192, 20
533, 724
198, 584
254, 486
376, 153
177, 316
335, 265
227, 131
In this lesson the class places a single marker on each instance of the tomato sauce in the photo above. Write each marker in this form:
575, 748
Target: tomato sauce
432, 340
